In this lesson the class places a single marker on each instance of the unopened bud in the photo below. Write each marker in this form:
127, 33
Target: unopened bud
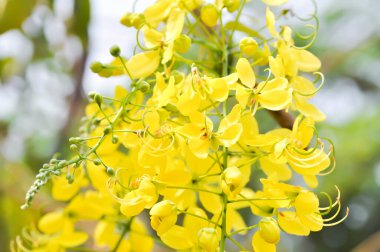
98, 99
232, 5
96, 67
209, 15
110, 171
91, 94
97, 162
208, 239
74, 148
182, 43
115, 139
115, 51
107, 130
248, 46
269, 230
143, 86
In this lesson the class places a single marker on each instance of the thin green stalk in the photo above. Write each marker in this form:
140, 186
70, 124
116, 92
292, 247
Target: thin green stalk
200, 217
193, 189
125, 230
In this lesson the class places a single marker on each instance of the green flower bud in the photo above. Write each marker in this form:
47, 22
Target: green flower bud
110, 171
70, 178
96, 67
53, 161
143, 86
97, 121
63, 163
115, 139
74, 148
46, 166
91, 95
97, 162
107, 130
106, 72
115, 51
98, 99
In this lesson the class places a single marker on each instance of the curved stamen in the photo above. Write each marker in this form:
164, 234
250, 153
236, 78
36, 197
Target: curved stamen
336, 200
319, 77
339, 221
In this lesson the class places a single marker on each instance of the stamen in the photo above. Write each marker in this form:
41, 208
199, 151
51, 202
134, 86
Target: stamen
339, 221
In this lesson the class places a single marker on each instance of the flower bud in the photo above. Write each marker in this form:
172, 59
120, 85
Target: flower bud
232, 181
126, 19
107, 130
269, 230
97, 121
74, 140
209, 15
62, 163
182, 43
137, 20
70, 178
248, 46
74, 148
110, 171
143, 86
96, 67
208, 239
133, 20
232, 5
115, 139
115, 51
97, 162
98, 99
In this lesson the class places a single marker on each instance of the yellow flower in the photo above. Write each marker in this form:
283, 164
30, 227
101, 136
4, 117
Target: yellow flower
272, 95
232, 181
178, 238
271, 22
260, 245
165, 41
144, 196
163, 216
62, 230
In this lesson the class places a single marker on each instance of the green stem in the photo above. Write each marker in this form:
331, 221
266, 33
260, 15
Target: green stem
242, 230
200, 217
193, 189
236, 243
126, 228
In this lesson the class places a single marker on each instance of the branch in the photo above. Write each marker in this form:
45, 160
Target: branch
370, 244
284, 119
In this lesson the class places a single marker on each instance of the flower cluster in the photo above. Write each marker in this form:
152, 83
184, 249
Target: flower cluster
182, 144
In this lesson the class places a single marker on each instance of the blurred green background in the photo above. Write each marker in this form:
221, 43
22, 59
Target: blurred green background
45, 49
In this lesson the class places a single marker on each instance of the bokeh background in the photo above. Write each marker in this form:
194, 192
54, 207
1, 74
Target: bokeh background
47, 45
